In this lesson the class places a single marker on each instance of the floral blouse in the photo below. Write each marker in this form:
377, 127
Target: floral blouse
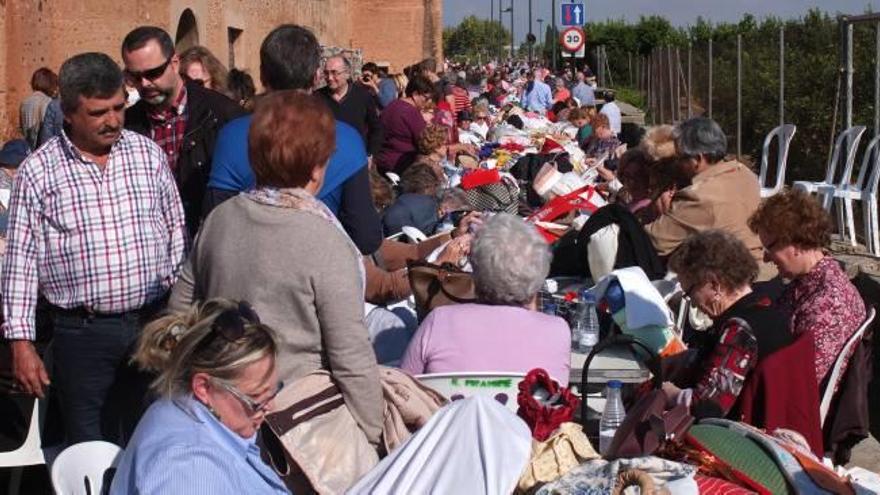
825, 303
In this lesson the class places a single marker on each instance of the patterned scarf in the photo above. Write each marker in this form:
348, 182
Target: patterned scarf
301, 200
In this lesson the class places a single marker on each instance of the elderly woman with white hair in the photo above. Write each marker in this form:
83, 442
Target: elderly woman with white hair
503, 331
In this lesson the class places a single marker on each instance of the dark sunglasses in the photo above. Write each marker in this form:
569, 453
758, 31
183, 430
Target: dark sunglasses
149, 74
231, 322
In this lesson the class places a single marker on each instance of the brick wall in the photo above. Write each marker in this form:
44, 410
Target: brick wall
42, 33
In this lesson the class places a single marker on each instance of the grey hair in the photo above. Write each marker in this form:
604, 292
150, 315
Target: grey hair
701, 136
510, 260
89, 75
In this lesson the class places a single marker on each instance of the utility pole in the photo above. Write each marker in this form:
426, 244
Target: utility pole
512, 37
531, 35
542, 33
555, 36
491, 21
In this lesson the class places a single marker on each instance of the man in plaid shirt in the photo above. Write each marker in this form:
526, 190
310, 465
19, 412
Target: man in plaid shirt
96, 225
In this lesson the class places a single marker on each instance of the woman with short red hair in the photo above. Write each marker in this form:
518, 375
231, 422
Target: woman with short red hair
281, 249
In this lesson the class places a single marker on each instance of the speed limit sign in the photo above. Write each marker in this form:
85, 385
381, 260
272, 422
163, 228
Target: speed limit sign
573, 39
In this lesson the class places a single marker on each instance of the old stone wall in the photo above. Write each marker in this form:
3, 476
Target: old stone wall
46, 32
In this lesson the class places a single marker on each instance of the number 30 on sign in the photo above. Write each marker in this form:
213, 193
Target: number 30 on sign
573, 39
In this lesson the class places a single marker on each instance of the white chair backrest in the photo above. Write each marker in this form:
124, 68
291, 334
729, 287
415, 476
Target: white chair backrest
80, 468
853, 135
871, 161
30, 453
454, 386
838, 370
394, 178
783, 134
414, 235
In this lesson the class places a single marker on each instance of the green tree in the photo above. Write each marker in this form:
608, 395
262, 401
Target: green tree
474, 38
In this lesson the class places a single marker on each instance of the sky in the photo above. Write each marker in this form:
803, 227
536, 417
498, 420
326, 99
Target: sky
679, 12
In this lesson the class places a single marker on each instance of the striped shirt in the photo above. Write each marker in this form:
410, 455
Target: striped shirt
109, 240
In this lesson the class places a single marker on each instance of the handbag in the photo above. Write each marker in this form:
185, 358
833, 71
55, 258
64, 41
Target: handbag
438, 285
543, 403
552, 458
500, 196
320, 438
648, 426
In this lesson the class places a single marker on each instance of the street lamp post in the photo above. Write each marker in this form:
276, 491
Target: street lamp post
531, 35
542, 33
510, 9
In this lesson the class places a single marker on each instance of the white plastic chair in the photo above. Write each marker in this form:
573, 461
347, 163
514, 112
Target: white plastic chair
414, 235
864, 190
847, 140
783, 134
79, 469
394, 178
838, 370
30, 453
501, 386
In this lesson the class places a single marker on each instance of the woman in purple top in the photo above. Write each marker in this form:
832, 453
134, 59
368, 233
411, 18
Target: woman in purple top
403, 123
503, 332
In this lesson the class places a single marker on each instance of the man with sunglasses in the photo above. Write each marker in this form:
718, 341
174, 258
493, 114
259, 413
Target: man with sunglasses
351, 103
183, 118
96, 226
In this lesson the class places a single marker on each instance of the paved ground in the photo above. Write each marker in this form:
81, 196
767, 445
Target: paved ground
867, 455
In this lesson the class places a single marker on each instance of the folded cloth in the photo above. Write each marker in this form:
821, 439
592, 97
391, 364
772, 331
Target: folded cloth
600, 476
473, 446
645, 306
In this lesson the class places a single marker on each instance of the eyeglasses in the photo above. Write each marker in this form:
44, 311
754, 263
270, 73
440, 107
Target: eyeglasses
769, 248
149, 74
254, 406
334, 73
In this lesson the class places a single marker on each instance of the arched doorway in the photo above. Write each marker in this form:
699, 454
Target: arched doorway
187, 31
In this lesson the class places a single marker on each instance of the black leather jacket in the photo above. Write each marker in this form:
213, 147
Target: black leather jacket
207, 112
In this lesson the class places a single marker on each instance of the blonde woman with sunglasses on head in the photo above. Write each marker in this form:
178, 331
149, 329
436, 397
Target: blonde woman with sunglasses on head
216, 380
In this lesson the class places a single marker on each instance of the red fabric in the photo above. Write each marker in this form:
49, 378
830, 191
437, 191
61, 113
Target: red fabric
480, 177
168, 125
543, 419
782, 393
551, 146
462, 99
717, 486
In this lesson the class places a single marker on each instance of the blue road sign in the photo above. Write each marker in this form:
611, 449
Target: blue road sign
572, 14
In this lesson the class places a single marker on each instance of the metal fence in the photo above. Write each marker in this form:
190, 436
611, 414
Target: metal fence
708, 78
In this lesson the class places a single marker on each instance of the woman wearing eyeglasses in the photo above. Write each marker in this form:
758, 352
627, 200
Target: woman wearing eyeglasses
716, 271
794, 231
216, 377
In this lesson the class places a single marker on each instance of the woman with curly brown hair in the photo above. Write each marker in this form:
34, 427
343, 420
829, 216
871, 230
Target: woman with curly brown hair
795, 231
716, 271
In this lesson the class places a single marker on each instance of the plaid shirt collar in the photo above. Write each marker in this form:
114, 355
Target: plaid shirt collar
72, 151
163, 114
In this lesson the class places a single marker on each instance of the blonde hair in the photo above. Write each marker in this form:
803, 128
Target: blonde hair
659, 142
400, 80
433, 138
178, 345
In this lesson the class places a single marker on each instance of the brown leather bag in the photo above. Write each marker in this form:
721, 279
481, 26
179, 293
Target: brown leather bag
648, 425
439, 285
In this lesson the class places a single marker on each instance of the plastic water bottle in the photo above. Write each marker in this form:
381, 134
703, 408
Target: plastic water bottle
588, 323
612, 416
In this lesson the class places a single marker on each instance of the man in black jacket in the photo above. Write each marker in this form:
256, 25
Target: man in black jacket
183, 118
351, 103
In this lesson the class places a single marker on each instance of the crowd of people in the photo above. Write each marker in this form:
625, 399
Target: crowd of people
197, 248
